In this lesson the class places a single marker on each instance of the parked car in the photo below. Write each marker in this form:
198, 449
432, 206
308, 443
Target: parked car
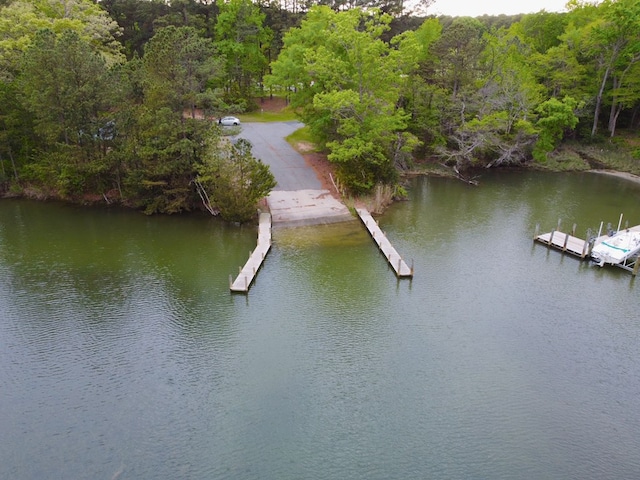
229, 121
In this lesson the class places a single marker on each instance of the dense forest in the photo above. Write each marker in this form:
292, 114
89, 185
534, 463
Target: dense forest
110, 100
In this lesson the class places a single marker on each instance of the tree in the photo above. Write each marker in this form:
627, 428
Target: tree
555, 117
242, 39
179, 66
16, 134
137, 21
612, 43
560, 71
160, 155
63, 86
347, 84
233, 179
159, 142
420, 97
543, 29
458, 52
21, 20
486, 122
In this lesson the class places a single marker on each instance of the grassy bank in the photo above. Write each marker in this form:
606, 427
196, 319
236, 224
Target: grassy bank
620, 154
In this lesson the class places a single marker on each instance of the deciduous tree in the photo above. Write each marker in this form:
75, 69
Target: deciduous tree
233, 179
348, 85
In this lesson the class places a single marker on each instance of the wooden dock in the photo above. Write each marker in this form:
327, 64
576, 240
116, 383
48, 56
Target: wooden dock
582, 248
248, 273
396, 262
566, 243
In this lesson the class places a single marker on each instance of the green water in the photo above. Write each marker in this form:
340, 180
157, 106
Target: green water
123, 352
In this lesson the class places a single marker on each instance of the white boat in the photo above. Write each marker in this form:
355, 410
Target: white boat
618, 248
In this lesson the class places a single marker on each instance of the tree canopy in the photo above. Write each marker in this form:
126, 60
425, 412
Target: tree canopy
107, 99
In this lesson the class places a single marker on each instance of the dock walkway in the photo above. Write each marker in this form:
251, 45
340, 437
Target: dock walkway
393, 257
248, 273
565, 243
579, 247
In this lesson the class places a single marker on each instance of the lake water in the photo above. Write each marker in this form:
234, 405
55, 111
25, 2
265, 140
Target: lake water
123, 354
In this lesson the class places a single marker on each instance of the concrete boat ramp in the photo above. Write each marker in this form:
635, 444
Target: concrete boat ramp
298, 199
309, 207
306, 207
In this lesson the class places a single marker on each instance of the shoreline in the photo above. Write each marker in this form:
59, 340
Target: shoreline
316, 161
615, 173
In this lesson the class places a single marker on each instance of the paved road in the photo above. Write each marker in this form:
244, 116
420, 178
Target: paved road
287, 165
298, 199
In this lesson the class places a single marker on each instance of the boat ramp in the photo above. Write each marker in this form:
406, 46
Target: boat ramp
247, 274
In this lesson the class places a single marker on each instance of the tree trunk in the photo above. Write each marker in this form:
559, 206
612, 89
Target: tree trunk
615, 109
13, 164
596, 113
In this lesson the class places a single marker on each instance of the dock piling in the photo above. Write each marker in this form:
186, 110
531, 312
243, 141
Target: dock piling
582, 247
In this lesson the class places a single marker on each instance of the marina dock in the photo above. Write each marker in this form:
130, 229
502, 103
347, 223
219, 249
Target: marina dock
396, 262
566, 243
578, 247
248, 273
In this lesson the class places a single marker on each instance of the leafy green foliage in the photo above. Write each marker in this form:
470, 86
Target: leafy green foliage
77, 121
555, 117
21, 20
178, 66
234, 179
242, 39
347, 85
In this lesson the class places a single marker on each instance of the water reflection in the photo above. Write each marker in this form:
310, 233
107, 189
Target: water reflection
122, 349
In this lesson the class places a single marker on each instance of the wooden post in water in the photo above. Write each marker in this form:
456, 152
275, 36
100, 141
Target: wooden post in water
636, 266
573, 230
559, 222
537, 231
551, 237
619, 223
566, 239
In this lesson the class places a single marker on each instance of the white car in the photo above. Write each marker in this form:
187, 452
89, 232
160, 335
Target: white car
229, 121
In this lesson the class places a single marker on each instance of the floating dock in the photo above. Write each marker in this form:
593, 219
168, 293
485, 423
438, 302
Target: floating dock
566, 243
248, 273
393, 257
578, 247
